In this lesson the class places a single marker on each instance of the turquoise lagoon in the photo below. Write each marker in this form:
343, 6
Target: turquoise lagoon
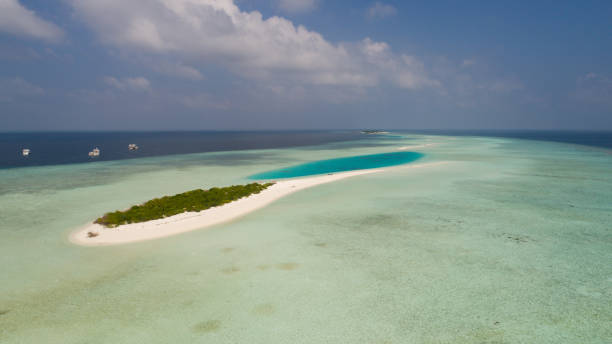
508, 241
351, 163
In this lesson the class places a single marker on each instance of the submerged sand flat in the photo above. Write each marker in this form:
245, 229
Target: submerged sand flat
190, 221
507, 242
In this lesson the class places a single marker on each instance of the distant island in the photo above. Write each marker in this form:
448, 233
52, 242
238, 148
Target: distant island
372, 131
190, 201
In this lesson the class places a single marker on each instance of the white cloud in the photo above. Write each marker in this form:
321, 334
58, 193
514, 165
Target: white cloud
178, 70
11, 88
217, 31
380, 10
128, 84
297, 6
404, 71
18, 20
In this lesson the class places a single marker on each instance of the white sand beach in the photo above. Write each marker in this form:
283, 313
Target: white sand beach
190, 221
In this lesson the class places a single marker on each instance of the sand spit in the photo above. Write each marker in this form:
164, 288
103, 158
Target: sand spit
190, 221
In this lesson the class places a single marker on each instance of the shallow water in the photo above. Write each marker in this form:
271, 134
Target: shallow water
508, 242
351, 163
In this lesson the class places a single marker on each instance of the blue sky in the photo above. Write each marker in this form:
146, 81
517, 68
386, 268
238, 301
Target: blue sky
304, 64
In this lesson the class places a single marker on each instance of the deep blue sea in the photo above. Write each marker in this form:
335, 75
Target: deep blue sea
72, 147
57, 148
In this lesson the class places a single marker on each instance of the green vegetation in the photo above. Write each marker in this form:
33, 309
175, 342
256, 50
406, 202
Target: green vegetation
195, 200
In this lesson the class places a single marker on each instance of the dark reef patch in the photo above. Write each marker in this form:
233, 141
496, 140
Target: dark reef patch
207, 326
288, 266
231, 270
517, 238
264, 309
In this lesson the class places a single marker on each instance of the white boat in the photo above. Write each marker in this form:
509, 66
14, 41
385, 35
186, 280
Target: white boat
94, 152
25, 152
132, 146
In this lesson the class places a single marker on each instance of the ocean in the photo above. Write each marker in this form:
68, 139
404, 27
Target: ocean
503, 240
55, 148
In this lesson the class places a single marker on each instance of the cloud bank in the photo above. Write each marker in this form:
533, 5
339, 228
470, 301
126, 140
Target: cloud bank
18, 20
246, 44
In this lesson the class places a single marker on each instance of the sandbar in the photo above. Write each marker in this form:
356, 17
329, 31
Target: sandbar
189, 221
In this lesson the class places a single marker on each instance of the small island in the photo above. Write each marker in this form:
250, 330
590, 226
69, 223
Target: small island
198, 209
154, 219
190, 201
374, 132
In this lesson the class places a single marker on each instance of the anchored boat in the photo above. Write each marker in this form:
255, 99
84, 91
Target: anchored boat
95, 152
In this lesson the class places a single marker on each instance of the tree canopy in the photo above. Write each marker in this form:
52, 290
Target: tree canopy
190, 201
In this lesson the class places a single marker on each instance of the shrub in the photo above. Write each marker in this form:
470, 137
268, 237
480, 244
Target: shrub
195, 200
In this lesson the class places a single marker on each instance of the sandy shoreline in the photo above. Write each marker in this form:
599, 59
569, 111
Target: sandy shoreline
190, 221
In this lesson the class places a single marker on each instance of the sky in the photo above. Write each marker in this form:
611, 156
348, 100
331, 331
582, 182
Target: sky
304, 64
